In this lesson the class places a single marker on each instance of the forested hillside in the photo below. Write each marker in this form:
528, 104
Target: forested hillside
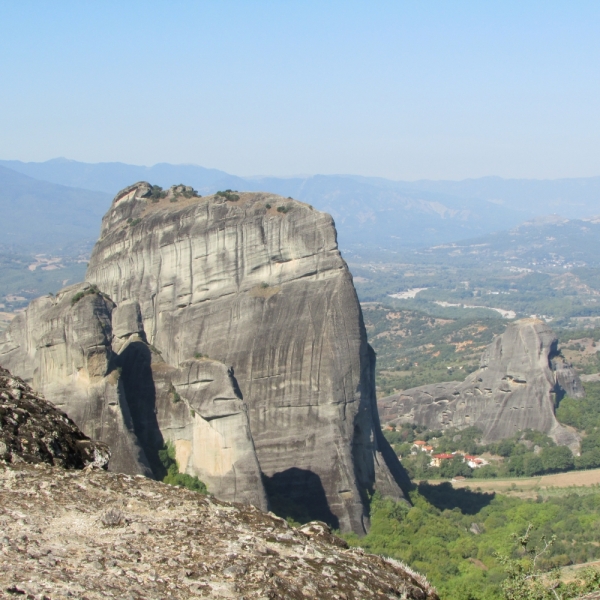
461, 538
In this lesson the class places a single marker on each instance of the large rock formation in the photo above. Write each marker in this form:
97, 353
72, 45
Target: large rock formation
119, 389
521, 378
256, 283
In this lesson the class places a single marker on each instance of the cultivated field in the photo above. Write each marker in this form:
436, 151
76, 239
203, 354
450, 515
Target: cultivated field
531, 484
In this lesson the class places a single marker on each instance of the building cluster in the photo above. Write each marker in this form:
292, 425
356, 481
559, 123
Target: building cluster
436, 459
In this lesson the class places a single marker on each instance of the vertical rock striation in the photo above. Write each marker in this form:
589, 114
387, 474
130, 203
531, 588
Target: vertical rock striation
233, 331
521, 378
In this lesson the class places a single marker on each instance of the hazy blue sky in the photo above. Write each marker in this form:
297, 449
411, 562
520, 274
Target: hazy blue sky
405, 90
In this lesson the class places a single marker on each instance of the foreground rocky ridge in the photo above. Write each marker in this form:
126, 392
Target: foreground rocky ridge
520, 379
228, 326
102, 535
75, 530
33, 430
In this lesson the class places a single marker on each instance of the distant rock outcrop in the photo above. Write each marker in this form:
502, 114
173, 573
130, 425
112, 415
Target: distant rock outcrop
32, 430
286, 401
521, 378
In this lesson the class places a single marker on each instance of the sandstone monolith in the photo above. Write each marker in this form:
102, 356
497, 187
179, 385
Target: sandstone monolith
233, 332
521, 378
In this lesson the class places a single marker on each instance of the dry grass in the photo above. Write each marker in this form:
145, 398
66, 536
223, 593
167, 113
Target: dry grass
529, 486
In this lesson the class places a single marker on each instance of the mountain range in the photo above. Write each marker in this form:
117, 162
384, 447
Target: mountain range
62, 200
42, 216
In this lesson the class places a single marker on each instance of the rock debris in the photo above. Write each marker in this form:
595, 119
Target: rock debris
94, 534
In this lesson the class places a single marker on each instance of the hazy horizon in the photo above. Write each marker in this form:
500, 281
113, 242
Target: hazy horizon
296, 175
397, 90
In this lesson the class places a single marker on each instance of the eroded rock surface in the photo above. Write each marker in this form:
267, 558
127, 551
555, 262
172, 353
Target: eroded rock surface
119, 390
230, 327
520, 379
97, 535
32, 430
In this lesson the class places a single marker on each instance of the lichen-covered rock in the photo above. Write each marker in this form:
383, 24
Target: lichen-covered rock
520, 379
33, 430
97, 535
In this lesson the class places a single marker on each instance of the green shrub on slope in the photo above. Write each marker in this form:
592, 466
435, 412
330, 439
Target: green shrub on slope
173, 476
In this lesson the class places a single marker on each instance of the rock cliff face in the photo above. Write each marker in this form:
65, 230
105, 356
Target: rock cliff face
62, 346
228, 326
520, 379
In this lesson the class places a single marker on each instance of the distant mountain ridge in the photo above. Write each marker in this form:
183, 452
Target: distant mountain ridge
39, 215
574, 198
114, 176
544, 243
369, 211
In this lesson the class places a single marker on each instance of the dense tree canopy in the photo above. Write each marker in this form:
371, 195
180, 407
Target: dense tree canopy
456, 536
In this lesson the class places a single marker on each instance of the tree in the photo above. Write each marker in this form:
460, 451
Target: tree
557, 458
173, 477
589, 459
526, 581
532, 465
455, 467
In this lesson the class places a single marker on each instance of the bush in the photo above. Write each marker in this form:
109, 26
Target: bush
173, 476
229, 195
186, 191
93, 289
284, 209
157, 193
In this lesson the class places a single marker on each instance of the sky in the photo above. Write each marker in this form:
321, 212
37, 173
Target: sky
403, 90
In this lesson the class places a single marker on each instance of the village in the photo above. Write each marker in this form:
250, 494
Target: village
448, 455
475, 462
